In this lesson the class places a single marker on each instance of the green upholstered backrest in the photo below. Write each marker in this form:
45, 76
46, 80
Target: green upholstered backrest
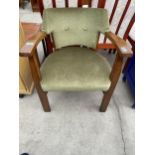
75, 26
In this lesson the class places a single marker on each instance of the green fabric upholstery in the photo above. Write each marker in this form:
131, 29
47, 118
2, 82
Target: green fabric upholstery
73, 69
75, 26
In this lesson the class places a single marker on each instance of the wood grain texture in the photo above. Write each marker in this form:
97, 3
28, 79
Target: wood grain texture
30, 29
54, 3
106, 46
29, 50
30, 46
101, 3
84, 2
50, 44
41, 6
79, 3
132, 42
114, 76
25, 78
37, 58
122, 48
22, 38
35, 6
66, 3
37, 77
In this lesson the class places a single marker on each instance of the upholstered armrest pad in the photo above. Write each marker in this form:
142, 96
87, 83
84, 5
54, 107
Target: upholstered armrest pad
121, 46
30, 46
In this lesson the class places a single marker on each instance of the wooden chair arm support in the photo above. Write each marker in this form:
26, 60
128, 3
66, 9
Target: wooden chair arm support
122, 48
30, 46
29, 50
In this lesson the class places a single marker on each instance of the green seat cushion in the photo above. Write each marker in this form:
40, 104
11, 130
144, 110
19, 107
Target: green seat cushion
75, 26
75, 69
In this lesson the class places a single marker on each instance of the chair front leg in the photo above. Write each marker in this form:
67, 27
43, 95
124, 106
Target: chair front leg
36, 77
114, 77
43, 98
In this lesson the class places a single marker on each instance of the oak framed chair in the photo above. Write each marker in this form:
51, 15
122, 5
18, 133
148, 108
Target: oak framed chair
74, 65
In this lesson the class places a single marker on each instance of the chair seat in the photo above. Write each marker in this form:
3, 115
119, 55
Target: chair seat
75, 69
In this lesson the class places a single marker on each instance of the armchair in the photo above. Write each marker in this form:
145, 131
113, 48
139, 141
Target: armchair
74, 65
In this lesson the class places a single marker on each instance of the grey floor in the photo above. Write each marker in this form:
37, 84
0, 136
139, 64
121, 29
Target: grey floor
75, 127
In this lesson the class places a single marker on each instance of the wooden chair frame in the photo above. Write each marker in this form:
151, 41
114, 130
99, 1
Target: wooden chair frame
29, 50
118, 44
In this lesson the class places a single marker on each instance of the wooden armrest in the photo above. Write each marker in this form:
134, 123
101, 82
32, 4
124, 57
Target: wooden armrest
29, 48
121, 46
